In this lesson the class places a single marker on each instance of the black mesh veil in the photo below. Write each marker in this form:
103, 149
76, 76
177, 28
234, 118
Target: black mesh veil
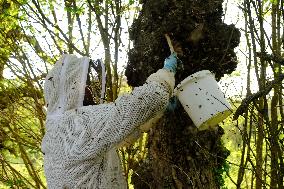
95, 84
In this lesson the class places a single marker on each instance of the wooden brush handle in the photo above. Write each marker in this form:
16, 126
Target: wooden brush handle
170, 43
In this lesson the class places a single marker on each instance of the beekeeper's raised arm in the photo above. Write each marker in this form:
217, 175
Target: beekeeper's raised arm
130, 111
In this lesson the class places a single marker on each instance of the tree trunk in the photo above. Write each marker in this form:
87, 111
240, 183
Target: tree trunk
276, 159
1, 71
180, 156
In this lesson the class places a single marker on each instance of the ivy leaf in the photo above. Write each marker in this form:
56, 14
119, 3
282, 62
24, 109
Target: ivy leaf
131, 2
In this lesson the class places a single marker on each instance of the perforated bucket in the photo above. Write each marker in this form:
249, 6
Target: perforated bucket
203, 100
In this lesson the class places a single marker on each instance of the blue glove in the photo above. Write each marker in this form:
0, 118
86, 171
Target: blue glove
172, 104
170, 63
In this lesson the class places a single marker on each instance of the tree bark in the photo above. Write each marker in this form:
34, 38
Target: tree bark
1, 70
180, 156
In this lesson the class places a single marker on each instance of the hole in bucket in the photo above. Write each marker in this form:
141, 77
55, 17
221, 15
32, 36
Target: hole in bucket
200, 89
199, 106
196, 94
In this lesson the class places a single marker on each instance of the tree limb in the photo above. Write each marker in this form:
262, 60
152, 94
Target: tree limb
246, 102
268, 57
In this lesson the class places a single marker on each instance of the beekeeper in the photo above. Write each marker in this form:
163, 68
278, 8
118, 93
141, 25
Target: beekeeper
80, 142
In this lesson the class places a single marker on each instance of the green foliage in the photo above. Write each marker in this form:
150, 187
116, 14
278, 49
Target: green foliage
20, 133
220, 173
75, 10
12, 183
8, 30
131, 2
275, 2
21, 100
223, 167
35, 41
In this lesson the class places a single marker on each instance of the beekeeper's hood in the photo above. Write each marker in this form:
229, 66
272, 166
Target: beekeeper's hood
65, 84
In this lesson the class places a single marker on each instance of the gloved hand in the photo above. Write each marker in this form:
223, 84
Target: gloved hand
170, 63
172, 104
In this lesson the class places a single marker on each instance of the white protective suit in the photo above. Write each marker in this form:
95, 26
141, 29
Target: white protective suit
80, 142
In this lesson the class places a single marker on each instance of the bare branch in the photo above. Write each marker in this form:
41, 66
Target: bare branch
246, 102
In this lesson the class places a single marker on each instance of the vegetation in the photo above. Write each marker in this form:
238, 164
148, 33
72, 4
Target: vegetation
261, 130
33, 34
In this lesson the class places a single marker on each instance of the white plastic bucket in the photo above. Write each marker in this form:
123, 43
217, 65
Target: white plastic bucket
203, 100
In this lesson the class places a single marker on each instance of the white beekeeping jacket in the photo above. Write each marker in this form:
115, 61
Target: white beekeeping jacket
80, 142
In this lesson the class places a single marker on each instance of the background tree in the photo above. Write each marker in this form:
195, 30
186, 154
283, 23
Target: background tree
33, 34
261, 129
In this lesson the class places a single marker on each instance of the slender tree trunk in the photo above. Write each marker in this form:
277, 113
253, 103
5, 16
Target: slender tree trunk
104, 29
1, 70
117, 43
68, 5
259, 149
276, 159
273, 143
245, 139
260, 79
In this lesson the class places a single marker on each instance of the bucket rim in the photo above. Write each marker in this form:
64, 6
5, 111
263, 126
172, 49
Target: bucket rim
225, 114
198, 74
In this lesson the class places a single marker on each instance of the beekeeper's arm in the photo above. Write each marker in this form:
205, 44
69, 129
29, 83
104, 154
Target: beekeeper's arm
170, 65
132, 110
